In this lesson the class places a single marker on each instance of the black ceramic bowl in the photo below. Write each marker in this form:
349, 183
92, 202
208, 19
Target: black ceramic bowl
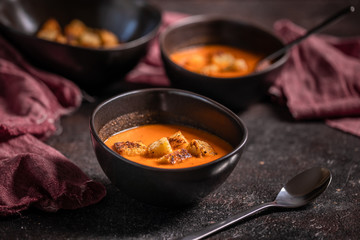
134, 22
157, 186
238, 92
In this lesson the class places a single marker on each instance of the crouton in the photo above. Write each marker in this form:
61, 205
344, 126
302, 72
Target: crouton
159, 148
108, 38
131, 148
50, 30
178, 140
176, 156
200, 148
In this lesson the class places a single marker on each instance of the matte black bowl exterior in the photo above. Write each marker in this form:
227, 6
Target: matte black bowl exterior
236, 93
165, 187
134, 22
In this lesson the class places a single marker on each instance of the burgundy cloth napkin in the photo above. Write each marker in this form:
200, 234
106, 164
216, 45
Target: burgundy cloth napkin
32, 173
321, 80
150, 69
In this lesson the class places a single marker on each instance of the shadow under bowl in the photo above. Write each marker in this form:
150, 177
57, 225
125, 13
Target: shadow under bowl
236, 93
135, 23
158, 186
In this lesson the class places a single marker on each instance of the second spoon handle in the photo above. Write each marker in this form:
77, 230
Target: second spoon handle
227, 222
342, 12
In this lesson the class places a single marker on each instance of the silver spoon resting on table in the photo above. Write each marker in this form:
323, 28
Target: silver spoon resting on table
299, 191
266, 61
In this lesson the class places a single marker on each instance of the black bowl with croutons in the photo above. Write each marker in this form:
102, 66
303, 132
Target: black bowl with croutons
166, 187
92, 67
235, 92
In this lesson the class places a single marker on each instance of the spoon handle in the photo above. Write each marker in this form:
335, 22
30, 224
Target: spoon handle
227, 222
342, 12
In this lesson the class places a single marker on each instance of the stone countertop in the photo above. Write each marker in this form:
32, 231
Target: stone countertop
278, 148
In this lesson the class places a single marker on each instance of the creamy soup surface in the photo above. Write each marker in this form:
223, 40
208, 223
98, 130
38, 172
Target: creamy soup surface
155, 138
216, 60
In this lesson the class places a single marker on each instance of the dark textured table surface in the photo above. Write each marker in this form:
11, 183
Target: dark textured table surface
278, 148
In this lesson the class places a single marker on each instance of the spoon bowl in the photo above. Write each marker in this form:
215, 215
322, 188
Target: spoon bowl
303, 188
297, 192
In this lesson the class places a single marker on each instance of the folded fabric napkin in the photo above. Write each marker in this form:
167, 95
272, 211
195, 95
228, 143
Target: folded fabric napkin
321, 80
32, 173
150, 69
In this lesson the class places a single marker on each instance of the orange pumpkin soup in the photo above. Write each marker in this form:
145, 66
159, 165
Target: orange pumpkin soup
216, 60
168, 146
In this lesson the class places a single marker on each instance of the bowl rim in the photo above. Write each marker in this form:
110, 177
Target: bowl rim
126, 45
207, 100
203, 18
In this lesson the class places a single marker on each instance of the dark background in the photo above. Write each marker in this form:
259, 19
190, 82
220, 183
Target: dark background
278, 148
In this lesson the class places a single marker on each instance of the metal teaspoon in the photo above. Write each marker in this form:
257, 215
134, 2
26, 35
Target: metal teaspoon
299, 191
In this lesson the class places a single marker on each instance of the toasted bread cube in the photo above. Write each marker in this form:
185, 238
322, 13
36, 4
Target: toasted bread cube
49, 30
240, 65
196, 61
178, 140
51, 24
176, 156
131, 148
61, 39
75, 28
159, 148
223, 60
108, 38
90, 39
210, 69
47, 34
200, 148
